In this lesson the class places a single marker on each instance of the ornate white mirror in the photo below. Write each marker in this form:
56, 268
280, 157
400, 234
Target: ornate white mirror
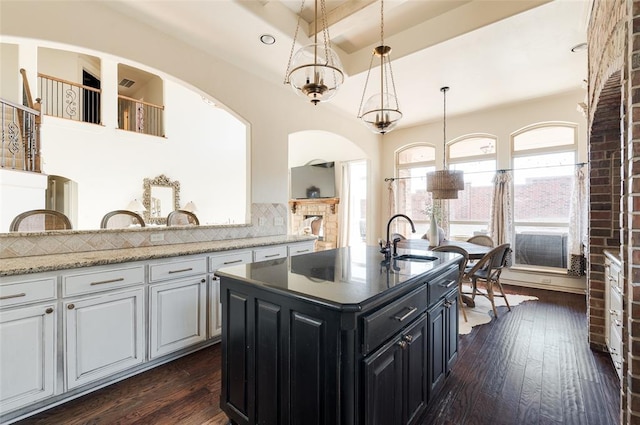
161, 196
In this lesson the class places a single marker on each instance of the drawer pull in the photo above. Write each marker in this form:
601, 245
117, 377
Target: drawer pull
7, 297
301, 250
407, 314
402, 344
102, 282
181, 270
49, 310
232, 262
272, 255
71, 306
448, 285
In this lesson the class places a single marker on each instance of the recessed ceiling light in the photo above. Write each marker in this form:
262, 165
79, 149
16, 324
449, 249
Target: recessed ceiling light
579, 47
267, 39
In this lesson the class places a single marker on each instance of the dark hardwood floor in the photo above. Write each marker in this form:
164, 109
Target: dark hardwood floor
530, 366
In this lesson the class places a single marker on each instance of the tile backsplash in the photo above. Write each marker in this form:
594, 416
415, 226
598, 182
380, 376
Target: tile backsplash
266, 220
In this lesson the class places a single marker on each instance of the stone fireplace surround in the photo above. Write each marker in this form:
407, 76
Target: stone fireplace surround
327, 208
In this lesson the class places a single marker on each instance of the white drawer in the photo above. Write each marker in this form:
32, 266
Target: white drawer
25, 292
271, 253
229, 259
177, 269
300, 248
92, 280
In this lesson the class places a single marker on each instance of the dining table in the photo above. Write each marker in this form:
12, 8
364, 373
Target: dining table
475, 251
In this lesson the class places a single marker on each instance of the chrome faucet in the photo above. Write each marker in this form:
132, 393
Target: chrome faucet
386, 250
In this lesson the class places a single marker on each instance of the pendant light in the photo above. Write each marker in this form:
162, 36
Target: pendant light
381, 112
315, 71
445, 184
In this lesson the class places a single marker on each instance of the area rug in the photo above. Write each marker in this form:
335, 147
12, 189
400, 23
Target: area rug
482, 312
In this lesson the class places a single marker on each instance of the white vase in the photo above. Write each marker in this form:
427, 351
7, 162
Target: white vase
434, 238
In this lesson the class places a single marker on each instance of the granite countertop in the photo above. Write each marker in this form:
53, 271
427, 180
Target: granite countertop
339, 277
44, 263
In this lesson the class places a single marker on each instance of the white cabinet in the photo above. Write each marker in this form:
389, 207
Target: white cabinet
27, 355
300, 248
103, 310
270, 253
104, 334
214, 307
177, 307
614, 311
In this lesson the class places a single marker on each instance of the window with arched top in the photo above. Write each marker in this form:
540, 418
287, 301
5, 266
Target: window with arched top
413, 162
469, 215
544, 158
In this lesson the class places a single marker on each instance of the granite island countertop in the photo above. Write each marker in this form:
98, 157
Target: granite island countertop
45, 263
340, 277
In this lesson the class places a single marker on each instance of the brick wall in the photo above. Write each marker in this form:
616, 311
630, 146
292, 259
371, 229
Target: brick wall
614, 72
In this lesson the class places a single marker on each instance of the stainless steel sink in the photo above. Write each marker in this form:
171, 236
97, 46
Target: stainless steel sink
414, 257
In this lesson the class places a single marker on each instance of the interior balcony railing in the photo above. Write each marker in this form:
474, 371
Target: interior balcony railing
20, 137
140, 116
69, 100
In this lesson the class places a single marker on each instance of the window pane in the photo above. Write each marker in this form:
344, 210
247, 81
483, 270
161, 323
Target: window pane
474, 202
544, 137
542, 191
416, 154
472, 146
412, 192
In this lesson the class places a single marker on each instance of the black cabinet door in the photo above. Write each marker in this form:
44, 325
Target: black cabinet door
383, 385
437, 364
415, 382
451, 304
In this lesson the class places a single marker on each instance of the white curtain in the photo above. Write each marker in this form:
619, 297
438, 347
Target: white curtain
345, 207
578, 222
501, 224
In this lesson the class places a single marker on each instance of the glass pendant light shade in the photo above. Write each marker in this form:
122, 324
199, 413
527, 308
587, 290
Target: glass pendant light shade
381, 113
316, 72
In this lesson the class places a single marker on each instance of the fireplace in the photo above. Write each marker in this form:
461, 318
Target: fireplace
317, 216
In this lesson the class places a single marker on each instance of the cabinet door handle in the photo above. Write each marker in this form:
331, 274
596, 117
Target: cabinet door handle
617, 322
232, 262
71, 306
181, 270
272, 255
613, 312
448, 304
449, 284
102, 282
408, 338
49, 310
402, 344
7, 297
407, 314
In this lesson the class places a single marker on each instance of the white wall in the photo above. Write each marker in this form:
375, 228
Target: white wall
10, 81
271, 109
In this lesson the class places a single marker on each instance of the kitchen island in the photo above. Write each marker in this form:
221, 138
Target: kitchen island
337, 337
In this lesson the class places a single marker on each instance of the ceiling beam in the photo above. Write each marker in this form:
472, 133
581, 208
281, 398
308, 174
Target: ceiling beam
339, 13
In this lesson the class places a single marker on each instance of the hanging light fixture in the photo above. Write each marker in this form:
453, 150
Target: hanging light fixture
315, 71
445, 184
381, 112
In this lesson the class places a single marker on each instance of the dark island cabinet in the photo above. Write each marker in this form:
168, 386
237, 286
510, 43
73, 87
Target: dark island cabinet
395, 378
443, 334
318, 352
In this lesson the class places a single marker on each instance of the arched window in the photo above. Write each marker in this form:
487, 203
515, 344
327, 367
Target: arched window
544, 157
475, 155
413, 162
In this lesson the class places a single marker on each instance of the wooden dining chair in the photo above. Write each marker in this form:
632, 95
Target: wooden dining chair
483, 240
182, 218
488, 270
120, 219
39, 220
462, 267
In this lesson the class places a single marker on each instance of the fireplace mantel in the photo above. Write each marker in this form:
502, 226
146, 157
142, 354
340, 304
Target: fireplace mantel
332, 202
